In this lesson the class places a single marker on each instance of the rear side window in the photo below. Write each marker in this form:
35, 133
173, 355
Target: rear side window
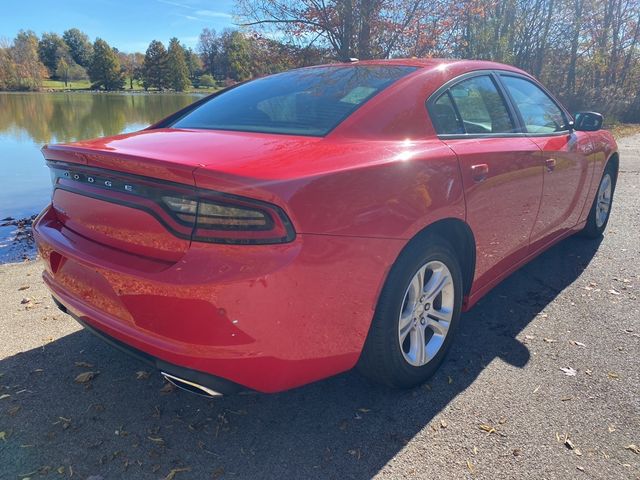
540, 114
481, 106
444, 116
309, 101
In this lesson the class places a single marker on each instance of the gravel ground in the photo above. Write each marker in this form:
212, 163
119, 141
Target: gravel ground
500, 407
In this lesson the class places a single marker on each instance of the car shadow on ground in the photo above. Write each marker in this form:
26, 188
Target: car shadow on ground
118, 425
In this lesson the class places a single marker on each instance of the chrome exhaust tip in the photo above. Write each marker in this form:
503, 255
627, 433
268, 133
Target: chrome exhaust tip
190, 386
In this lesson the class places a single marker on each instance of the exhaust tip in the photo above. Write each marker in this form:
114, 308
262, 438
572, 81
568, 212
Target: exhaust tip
190, 386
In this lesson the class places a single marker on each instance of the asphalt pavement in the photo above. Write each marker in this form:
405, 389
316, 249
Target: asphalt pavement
543, 382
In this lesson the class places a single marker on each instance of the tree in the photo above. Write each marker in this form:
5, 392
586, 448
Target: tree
209, 49
80, 47
194, 65
68, 71
105, 67
132, 64
29, 70
237, 56
177, 70
154, 71
51, 49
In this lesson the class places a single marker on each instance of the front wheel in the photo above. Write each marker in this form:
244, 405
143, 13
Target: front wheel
601, 208
416, 317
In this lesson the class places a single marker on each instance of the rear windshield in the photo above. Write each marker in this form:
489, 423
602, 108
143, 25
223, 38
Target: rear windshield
309, 101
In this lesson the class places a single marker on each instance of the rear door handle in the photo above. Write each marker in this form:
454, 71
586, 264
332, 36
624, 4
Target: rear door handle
479, 172
550, 164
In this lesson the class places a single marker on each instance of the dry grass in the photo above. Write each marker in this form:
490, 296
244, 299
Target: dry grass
622, 130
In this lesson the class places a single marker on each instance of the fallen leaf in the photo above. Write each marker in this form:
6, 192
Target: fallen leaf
364, 410
443, 424
570, 372
3, 436
578, 344
569, 444
158, 440
580, 468
168, 388
142, 375
450, 380
634, 448
173, 472
549, 340
613, 291
611, 429
487, 428
4, 395
613, 375
25, 300
470, 466
24, 287
85, 377
14, 410
84, 365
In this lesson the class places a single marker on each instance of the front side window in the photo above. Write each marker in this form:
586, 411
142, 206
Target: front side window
539, 112
310, 101
481, 107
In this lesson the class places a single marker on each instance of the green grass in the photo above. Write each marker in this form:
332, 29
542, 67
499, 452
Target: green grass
59, 85
86, 85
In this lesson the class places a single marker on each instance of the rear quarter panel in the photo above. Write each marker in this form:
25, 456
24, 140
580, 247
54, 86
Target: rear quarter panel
368, 189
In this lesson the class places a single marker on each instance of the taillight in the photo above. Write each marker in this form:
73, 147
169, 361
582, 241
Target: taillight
229, 219
187, 212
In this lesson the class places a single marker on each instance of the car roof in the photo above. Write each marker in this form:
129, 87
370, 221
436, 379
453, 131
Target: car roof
453, 66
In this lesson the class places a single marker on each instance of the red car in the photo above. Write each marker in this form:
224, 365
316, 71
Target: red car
295, 226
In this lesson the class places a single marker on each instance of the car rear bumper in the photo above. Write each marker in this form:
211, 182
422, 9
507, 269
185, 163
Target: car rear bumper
266, 317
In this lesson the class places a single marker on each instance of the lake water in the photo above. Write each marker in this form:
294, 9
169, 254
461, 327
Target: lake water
30, 120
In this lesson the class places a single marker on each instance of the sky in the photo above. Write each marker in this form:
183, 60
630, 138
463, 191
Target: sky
127, 25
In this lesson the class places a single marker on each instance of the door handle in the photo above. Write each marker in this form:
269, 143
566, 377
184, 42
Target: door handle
550, 164
479, 172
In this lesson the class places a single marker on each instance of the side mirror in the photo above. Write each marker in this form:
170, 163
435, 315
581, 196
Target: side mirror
588, 121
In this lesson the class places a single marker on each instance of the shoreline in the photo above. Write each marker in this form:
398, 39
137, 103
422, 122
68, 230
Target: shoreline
102, 92
18, 245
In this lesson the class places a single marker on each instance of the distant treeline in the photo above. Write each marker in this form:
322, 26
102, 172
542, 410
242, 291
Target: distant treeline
224, 59
586, 51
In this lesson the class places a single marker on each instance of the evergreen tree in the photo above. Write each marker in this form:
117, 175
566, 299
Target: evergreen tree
178, 72
105, 67
154, 71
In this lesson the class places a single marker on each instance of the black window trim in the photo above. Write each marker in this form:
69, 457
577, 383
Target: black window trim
514, 112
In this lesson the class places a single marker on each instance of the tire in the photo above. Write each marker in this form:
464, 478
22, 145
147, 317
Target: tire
597, 220
397, 363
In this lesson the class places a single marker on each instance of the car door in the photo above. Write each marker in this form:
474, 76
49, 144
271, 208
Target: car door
564, 152
501, 170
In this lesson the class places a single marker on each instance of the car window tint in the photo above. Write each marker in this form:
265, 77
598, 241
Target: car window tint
539, 112
308, 101
481, 106
444, 117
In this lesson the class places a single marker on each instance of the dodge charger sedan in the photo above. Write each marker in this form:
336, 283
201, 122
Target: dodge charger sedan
293, 227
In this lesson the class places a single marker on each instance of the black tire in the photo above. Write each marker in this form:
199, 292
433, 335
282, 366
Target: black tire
382, 359
592, 229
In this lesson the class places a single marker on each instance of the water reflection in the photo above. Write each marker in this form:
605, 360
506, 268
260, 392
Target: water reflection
30, 120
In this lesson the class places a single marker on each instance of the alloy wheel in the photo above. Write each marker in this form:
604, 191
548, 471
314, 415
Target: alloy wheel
426, 313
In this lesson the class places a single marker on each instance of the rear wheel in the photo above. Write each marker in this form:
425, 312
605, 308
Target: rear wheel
416, 317
601, 208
